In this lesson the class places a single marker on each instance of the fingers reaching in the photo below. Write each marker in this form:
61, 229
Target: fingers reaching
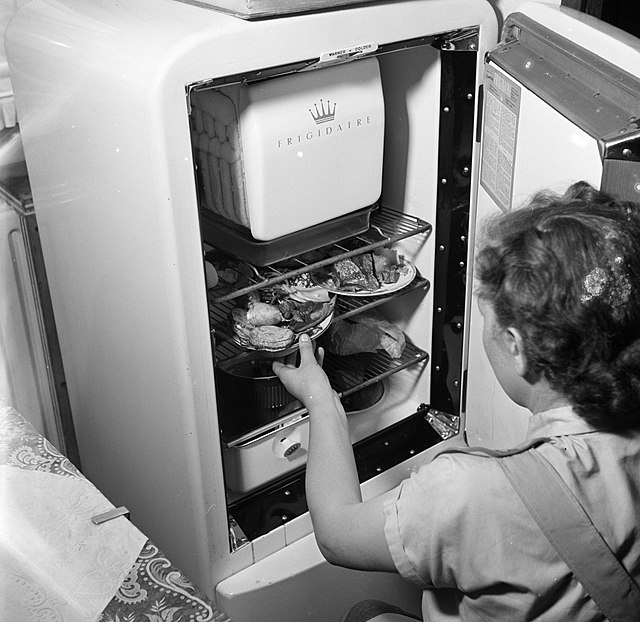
306, 350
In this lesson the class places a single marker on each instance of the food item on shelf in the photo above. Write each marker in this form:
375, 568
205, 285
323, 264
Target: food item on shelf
228, 275
211, 274
387, 265
364, 398
354, 274
367, 272
303, 315
271, 337
291, 307
310, 294
366, 332
263, 314
224, 270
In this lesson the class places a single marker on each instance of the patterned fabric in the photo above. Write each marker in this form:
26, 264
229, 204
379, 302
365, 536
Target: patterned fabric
21, 446
154, 590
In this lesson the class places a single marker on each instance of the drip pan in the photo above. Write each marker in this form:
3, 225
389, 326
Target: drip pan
236, 240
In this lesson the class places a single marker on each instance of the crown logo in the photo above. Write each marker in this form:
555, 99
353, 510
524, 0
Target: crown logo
323, 114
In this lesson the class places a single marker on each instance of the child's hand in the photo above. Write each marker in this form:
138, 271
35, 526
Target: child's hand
307, 382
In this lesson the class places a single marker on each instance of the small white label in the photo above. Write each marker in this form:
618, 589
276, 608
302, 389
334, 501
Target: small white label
347, 53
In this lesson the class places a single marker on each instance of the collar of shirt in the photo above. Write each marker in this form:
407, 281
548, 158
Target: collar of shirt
560, 421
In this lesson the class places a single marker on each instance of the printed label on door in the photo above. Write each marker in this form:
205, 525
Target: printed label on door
500, 131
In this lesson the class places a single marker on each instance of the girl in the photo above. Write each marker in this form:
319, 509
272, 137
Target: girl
559, 290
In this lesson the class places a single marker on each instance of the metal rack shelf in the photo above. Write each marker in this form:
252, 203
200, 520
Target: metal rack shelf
371, 368
227, 349
387, 227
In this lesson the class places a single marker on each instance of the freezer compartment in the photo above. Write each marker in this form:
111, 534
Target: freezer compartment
278, 156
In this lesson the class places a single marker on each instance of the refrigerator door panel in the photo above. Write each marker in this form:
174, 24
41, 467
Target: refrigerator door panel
554, 113
569, 155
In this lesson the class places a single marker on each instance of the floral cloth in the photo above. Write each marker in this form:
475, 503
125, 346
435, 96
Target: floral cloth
149, 589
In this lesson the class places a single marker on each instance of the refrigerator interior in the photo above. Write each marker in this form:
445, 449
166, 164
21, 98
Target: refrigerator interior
429, 85
264, 495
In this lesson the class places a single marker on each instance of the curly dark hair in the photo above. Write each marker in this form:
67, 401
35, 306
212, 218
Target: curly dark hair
565, 271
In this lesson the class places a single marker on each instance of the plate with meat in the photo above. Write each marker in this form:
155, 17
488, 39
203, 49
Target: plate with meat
382, 271
272, 319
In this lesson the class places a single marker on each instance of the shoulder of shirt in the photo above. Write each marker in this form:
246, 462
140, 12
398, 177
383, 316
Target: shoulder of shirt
469, 471
458, 484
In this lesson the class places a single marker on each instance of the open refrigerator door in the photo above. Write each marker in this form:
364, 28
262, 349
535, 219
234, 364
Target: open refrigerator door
561, 104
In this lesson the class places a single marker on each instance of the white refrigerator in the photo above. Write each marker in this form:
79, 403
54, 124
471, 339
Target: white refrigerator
111, 99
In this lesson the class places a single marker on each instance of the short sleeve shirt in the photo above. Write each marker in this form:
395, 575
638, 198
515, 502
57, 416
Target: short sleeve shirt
456, 524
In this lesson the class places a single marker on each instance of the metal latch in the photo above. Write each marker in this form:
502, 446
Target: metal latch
98, 519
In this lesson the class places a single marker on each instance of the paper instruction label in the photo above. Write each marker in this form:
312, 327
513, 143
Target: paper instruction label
500, 135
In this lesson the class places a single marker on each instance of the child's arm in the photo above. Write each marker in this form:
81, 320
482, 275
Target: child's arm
349, 532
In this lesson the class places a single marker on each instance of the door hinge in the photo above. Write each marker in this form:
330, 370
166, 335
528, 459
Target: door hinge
464, 40
445, 424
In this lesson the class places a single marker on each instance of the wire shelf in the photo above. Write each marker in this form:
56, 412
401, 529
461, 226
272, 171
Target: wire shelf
387, 227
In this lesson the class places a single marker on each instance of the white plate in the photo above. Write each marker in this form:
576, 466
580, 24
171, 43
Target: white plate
313, 332
406, 276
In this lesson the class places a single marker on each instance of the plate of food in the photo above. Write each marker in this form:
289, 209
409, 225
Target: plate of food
379, 272
272, 319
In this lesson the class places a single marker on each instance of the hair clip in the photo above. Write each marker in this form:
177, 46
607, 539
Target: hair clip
613, 289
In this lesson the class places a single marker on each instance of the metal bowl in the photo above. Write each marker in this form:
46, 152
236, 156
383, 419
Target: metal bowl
251, 385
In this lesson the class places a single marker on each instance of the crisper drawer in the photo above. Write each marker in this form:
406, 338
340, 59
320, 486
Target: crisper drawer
255, 462
281, 447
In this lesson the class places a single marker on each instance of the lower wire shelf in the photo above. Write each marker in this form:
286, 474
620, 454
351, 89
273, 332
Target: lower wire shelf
347, 374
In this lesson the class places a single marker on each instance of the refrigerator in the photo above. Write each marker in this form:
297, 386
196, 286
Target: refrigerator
185, 158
